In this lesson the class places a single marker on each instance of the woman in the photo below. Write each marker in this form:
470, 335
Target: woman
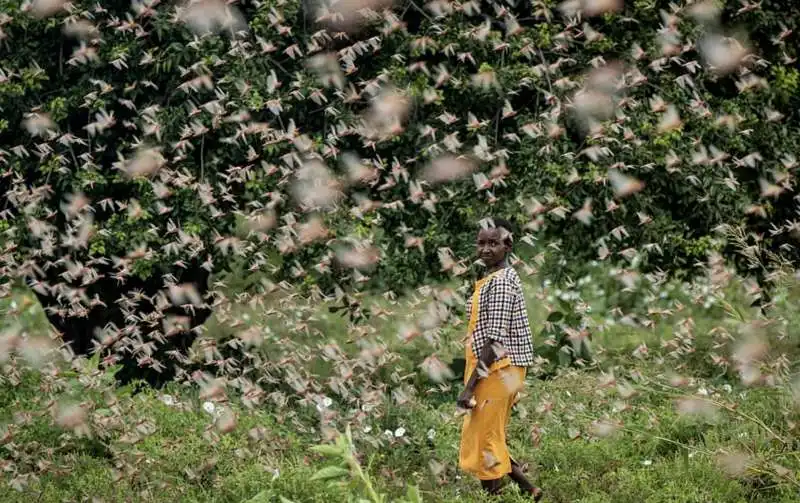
499, 347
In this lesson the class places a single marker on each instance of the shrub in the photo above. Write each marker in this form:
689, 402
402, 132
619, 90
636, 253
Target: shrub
143, 158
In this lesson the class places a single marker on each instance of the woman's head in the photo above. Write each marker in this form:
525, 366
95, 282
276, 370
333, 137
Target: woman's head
494, 242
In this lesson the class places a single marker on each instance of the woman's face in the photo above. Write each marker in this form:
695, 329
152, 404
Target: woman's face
491, 246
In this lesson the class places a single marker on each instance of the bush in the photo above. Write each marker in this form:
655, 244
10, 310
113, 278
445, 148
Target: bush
143, 158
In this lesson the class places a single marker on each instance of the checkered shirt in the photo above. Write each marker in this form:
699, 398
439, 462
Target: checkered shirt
503, 317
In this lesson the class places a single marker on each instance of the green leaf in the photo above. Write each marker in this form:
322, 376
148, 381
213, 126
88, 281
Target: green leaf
565, 356
585, 351
566, 306
327, 450
261, 497
94, 361
330, 472
413, 495
555, 316
341, 443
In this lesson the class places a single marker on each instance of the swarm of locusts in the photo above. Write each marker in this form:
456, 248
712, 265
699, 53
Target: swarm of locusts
319, 180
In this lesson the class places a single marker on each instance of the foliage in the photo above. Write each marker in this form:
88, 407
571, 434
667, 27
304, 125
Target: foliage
145, 157
564, 341
678, 421
150, 153
349, 466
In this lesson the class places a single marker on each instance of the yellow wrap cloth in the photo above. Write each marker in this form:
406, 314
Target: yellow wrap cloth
483, 451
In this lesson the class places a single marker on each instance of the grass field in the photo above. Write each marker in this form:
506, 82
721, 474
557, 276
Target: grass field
659, 417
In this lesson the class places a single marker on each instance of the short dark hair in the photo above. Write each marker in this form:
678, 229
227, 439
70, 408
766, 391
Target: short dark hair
501, 223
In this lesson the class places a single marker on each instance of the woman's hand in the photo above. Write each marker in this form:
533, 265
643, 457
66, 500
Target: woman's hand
466, 400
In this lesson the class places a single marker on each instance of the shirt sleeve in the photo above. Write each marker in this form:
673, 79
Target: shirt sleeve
497, 309
520, 326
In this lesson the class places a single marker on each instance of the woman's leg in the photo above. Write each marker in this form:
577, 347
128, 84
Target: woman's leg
524, 484
491, 487
519, 477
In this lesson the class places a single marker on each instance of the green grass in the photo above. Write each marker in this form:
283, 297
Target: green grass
143, 449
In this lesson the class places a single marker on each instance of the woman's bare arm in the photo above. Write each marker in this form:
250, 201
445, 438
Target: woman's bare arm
487, 357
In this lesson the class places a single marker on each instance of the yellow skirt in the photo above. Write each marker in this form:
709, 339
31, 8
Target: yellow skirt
483, 451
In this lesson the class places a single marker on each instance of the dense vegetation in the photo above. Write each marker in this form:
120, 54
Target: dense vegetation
150, 144
670, 414
281, 197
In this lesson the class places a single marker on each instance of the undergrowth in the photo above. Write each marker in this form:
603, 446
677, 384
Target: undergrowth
660, 415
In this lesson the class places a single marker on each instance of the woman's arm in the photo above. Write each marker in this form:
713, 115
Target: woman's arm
487, 357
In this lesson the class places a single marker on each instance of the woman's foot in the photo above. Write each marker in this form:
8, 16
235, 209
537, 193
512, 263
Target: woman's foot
536, 492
